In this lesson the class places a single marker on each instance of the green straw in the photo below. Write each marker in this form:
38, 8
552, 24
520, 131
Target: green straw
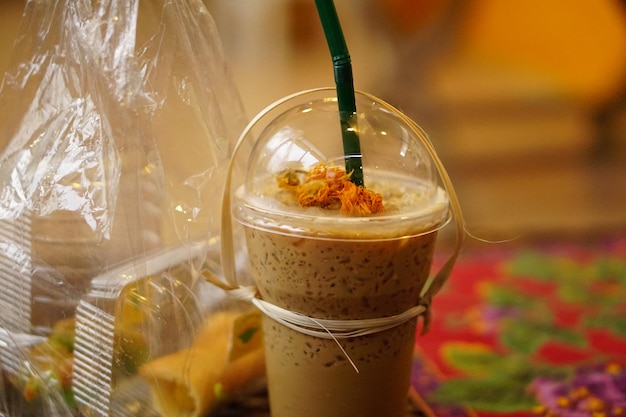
345, 88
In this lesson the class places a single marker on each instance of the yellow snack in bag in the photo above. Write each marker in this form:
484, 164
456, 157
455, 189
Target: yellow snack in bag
218, 365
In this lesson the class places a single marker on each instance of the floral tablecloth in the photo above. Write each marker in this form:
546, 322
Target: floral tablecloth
528, 329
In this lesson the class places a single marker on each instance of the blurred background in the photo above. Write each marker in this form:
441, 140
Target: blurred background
525, 100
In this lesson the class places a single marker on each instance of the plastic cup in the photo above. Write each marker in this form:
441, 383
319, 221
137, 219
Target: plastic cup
328, 265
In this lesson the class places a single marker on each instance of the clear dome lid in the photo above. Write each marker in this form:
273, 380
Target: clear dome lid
303, 132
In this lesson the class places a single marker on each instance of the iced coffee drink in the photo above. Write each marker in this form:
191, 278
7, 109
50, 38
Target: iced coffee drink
338, 253
342, 267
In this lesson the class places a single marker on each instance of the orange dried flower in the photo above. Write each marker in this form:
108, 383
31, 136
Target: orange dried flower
331, 188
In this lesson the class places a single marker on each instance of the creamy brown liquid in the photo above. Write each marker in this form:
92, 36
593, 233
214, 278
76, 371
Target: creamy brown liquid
339, 279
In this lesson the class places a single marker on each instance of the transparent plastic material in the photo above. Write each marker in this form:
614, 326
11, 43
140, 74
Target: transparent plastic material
119, 118
303, 132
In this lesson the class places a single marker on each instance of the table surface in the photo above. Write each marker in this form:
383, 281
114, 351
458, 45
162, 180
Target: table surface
256, 405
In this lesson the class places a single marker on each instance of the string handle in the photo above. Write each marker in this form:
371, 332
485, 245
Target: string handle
422, 306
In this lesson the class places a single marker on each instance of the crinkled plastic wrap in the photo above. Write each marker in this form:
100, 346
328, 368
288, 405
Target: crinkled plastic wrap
119, 118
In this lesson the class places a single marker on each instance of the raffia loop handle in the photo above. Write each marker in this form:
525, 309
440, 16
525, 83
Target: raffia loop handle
333, 329
443, 274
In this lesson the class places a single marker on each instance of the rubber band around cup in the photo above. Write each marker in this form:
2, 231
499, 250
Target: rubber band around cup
323, 328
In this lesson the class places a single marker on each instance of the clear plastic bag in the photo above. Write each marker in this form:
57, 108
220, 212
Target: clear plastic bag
120, 118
